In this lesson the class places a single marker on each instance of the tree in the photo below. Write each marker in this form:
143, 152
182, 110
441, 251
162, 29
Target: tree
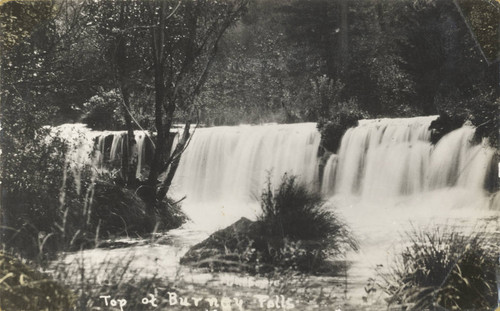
169, 45
183, 46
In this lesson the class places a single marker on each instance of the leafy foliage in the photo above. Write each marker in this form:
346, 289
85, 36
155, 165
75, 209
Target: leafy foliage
396, 58
304, 233
32, 178
292, 211
444, 267
334, 126
101, 111
481, 109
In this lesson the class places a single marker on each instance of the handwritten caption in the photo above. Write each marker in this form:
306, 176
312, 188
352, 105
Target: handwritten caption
225, 303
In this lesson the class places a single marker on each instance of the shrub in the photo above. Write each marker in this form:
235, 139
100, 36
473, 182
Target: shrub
120, 210
31, 184
103, 111
300, 232
333, 127
294, 233
445, 268
481, 108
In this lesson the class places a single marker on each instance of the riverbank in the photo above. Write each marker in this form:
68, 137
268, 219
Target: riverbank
156, 261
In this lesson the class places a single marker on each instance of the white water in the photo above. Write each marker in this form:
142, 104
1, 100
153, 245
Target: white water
388, 158
224, 169
388, 178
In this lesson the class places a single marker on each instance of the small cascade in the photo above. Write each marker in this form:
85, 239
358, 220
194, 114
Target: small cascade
140, 138
101, 149
456, 161
328, 181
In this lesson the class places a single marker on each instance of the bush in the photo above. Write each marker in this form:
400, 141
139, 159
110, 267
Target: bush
294, 232
23, 288
103, 111
298, 227
333, 127
117, 211
445, 268
31, 184
292, 211
481, 108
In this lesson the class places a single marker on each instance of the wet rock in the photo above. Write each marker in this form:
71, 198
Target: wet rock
227, 248
443, 125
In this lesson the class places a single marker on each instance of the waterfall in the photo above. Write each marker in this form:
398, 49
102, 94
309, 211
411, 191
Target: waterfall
394, 157
228, 166
232, 163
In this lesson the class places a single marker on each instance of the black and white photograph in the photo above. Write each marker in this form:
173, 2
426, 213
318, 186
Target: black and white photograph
249, 155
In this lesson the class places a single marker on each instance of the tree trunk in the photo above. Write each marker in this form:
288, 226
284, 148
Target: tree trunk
132, 157
129, 157
174, 163
160, 131
157, 49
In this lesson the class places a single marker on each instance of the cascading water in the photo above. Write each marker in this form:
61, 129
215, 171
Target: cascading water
388, 158
328, 182
380, 158
227, 167
100, 149
388, 178
234, 162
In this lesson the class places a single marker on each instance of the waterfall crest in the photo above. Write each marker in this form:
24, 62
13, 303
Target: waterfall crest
378, 159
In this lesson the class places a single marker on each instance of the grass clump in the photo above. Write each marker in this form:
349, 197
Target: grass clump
445, 268
296, 224
295, 232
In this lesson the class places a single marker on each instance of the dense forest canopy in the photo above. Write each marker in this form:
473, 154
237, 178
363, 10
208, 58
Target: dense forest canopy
390, 58
285, 61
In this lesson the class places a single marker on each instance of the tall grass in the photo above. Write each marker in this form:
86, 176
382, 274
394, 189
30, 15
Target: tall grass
297, 224
443, 267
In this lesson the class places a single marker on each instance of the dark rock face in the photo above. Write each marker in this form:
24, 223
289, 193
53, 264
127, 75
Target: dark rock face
228, 248
492, 182
443, 125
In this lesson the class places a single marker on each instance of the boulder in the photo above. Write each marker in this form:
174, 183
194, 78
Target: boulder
228, 248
